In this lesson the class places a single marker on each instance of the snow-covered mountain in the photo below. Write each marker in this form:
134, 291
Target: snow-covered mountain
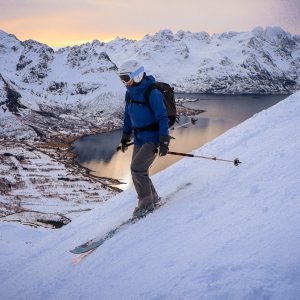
71, 90
260, 61
81, 82
226, 232
61, 77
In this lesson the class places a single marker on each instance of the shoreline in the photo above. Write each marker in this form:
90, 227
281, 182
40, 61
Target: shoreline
32, 195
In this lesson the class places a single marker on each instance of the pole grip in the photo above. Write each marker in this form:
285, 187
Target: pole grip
128, 144
180, 154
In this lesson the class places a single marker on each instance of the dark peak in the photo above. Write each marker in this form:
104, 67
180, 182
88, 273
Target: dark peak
4, 34
164, 34
123, 40
181, 34
97, 43
228, 35
35, 45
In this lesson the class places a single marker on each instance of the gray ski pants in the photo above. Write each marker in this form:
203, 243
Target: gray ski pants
142, 159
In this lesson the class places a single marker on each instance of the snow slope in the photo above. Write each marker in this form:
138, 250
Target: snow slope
233, 233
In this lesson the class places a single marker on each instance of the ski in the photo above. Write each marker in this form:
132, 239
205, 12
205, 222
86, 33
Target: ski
96, 242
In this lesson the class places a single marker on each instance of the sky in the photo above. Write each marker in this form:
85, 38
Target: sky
69, 22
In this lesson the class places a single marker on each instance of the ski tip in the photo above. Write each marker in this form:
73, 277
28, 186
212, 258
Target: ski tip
74, 251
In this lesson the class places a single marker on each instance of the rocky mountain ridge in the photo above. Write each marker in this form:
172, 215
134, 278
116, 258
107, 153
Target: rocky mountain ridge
260, 61
75, 90
80, 82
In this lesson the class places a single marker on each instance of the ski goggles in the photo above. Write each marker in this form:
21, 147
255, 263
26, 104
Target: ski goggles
126, 77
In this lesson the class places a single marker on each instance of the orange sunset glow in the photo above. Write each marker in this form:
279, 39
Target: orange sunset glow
62, 23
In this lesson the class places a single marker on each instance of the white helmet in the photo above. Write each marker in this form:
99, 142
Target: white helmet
131, 69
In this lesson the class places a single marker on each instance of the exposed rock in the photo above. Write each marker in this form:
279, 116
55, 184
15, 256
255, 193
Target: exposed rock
5, 186
41, 186
11, 98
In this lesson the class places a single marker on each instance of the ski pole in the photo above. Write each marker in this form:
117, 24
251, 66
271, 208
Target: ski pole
119, 147
236, 161
179, 126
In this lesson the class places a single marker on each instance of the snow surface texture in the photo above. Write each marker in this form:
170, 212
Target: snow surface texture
232, 234
81, 81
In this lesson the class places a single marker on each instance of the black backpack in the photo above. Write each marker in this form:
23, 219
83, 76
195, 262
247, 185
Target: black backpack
169, 101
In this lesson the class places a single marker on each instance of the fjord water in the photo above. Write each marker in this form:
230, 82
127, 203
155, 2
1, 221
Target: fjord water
222, 112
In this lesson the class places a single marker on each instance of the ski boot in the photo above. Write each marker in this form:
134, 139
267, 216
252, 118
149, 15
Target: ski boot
140, 212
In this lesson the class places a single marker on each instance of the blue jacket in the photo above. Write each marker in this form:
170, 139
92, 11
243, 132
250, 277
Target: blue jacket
136, 115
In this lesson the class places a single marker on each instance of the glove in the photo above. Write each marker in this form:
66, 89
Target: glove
124, 141
164, 141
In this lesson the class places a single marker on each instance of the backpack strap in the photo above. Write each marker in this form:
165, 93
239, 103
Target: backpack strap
147, 96
130, 100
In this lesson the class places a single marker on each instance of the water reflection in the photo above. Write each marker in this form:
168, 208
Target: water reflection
222, 112
100, 147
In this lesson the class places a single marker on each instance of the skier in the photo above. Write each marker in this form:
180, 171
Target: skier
150, 130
